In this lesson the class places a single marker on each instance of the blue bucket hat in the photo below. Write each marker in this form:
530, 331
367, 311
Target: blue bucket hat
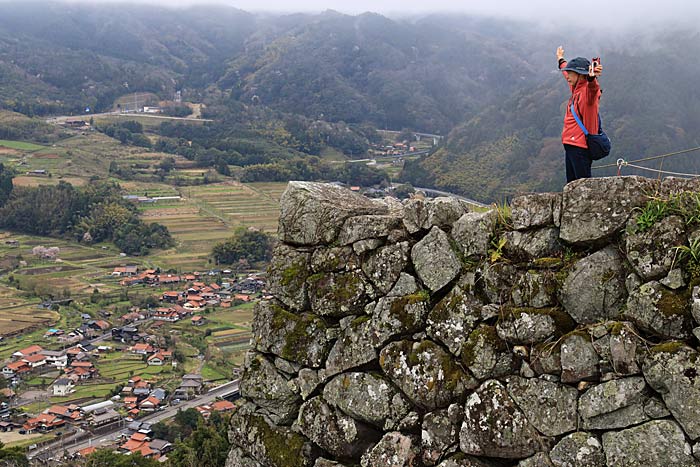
578, 65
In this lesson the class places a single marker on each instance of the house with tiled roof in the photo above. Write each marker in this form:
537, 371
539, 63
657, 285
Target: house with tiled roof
26, 352
223, 406
86, 451
16, 368
43, 422
35, 360
157, 359
150, 404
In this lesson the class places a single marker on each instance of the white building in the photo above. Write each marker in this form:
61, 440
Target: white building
63, 387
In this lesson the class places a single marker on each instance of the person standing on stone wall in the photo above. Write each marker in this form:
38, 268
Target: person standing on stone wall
582, 77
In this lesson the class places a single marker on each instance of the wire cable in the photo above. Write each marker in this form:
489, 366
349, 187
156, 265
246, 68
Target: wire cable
661, 156
623, 163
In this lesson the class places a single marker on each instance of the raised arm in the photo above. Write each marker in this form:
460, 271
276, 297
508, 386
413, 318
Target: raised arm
593, 86
561, 61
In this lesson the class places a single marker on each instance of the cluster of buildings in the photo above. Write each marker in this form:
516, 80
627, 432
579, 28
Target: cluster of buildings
250, 285
139, 395
75, 365
57, 416
154, 355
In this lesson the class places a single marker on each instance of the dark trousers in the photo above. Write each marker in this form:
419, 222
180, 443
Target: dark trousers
578, 163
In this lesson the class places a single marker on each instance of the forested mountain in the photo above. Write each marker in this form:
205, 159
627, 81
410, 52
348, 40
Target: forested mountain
300, 81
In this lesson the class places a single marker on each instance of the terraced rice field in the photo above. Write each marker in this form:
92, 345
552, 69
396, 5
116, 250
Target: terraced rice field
16, 319
240, 205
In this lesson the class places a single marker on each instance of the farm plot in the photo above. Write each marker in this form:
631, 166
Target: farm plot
21, 145
238, 205
16, 319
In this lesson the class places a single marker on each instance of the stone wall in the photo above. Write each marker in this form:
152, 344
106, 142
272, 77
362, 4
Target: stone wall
423, 333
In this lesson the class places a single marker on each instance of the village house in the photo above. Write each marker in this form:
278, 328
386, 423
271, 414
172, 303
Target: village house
43, 422
142, 349
99, 325
125, 271
157, 359
70, 414
171, 296
55, 358
62, 387
26, 352
198, 320
106, 417
223, 406
35, 360
166, 314
16, 369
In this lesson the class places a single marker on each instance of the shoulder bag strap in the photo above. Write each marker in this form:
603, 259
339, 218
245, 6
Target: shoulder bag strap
578, 120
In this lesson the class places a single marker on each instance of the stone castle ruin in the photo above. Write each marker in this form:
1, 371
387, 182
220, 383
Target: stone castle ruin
426, 333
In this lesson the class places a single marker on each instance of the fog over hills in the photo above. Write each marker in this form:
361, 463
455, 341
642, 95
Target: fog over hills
489, 83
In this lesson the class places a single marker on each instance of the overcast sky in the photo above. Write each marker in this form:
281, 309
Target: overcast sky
626, 11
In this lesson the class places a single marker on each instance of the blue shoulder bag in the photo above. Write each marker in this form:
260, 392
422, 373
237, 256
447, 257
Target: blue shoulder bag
598, 145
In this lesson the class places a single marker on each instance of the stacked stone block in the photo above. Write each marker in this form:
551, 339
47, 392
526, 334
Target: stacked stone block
393, 339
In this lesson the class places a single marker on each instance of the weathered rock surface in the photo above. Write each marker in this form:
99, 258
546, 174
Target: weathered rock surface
266, 387
453, 318
353, 348
425, 373
393, 316
579, 360
439, 432
384, 266
531, 325
549, 407
473, 231
334, 431
659, 442
236, 458
532, 244
393, 450
287, 276
334, 259
367, 227
657, 310
615, 404
652, 252
535, 210
339, 294
313, 213
486, 355
460, 460
297, 338
535, 289
270, 445
494, 426
420, 214
579, 449
369, 398
378, 337
596, 209
595, 290
498, 281
435, 262
672, 370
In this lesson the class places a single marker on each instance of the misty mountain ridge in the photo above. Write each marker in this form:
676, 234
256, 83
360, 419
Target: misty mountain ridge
489, 84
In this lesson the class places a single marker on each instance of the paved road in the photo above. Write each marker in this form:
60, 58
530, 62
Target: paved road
64, 118
80, 441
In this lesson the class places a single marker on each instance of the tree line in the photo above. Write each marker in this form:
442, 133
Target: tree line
94, 213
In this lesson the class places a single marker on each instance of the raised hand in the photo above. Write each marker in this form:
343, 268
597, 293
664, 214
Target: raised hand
560, 52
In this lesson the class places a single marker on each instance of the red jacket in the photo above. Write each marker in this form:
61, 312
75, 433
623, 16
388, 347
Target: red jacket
586, 98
